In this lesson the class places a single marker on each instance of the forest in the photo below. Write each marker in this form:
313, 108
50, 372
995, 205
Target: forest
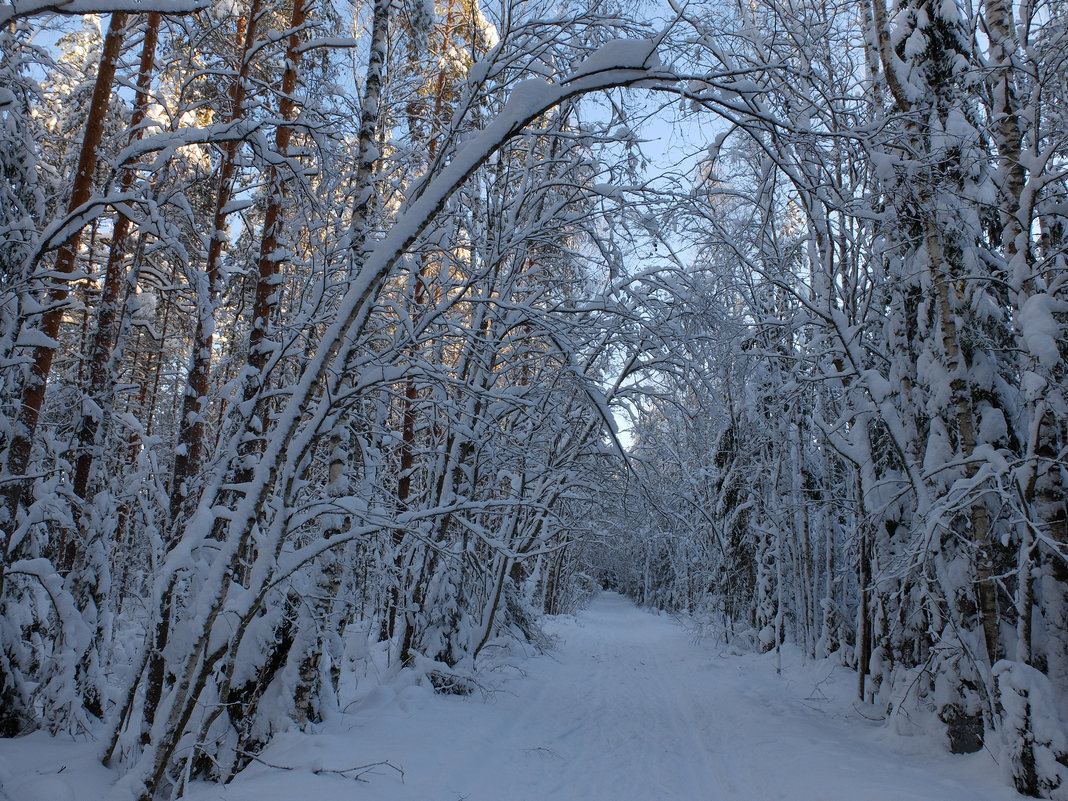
418, 321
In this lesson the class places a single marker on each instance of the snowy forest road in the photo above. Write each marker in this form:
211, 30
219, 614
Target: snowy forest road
628, 707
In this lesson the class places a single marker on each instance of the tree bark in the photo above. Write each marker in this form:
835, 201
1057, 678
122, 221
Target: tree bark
191, 425
33, 393
189, 454
100, 356
267, 293
965, 427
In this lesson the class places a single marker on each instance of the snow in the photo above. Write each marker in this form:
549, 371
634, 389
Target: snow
1030, 720
29, 8
629, 705
35, 338
992, 425
1040, 329
530, 97
42, 768
619, 54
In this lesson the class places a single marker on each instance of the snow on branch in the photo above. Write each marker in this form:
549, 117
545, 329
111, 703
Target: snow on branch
30, 8
629, 66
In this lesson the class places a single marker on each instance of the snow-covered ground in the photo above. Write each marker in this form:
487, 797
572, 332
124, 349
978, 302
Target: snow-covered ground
628, 707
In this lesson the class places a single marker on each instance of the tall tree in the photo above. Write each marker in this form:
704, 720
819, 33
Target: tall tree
57, 291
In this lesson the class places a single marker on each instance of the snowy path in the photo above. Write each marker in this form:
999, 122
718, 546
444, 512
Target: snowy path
628, 708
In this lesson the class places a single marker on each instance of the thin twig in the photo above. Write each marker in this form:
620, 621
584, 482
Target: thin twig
354, 773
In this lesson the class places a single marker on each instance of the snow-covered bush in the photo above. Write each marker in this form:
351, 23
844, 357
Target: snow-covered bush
1033, 735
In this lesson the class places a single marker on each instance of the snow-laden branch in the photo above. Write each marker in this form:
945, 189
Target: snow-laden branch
300, 423
30, 8
633, 62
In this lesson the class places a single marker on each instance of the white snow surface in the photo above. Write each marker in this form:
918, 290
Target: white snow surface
629, 706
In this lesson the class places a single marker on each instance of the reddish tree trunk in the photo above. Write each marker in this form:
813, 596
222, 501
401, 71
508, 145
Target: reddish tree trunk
190, 452
110, 302
269, 259
188, 459
33, 393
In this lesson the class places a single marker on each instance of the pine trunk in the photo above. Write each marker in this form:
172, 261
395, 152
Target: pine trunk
33, 394
100, 356
189, 454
